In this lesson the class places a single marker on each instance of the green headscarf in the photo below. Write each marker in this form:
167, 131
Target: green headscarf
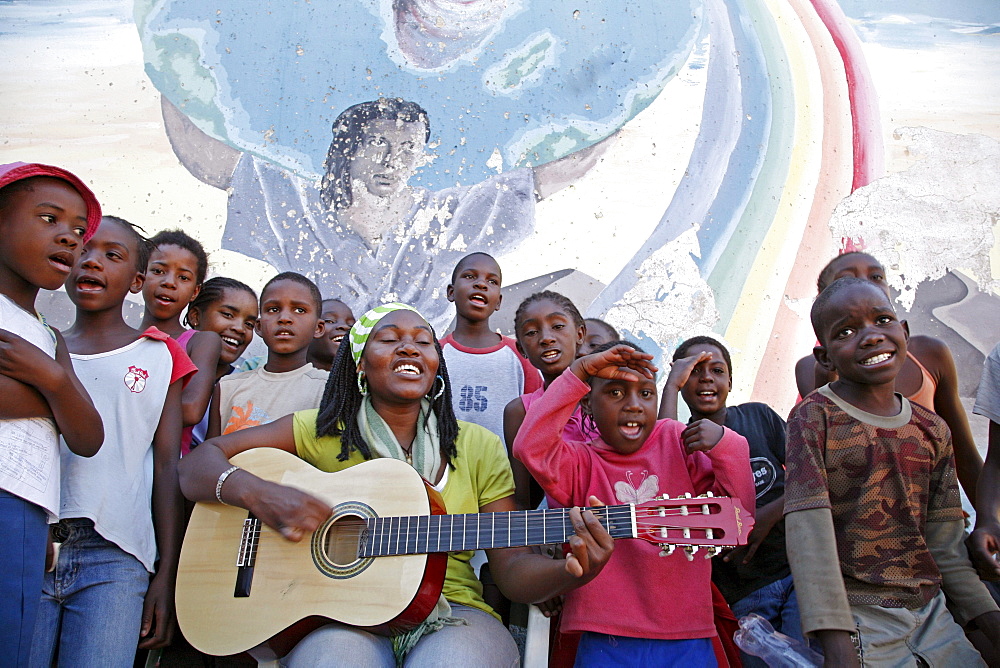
364, 325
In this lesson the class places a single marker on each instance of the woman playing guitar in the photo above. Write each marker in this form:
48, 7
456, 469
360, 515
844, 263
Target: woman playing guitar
389, 396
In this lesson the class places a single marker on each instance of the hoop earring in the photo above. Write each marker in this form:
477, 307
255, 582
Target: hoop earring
440, 392
362, 384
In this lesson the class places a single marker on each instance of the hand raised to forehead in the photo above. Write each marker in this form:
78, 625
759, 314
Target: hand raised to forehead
608, 364
680, 370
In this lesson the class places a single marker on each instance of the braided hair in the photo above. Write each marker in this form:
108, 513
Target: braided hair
342, 400
143, 247
620, 342
213, 290
563, 301
182, 239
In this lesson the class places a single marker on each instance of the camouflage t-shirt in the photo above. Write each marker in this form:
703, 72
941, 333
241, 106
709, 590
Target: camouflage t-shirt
883, 479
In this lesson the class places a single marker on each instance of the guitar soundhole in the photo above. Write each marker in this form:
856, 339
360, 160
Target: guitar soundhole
343, 539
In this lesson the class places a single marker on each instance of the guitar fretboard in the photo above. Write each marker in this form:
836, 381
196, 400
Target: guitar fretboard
421, 534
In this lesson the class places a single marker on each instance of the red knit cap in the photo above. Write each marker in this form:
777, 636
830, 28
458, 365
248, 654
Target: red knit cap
17, 171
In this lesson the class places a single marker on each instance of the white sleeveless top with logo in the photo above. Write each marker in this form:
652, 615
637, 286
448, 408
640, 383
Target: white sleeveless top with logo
114, 487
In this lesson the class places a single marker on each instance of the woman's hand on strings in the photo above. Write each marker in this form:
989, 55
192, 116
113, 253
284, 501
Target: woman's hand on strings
289, 511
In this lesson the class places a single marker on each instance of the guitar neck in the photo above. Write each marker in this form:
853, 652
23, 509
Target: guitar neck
422, 534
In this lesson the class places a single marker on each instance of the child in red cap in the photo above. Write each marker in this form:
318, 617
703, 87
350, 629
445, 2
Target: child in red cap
46, 215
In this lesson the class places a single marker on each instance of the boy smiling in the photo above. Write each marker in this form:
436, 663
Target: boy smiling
872, 509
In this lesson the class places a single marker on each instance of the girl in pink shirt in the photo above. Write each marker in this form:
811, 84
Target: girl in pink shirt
643, 607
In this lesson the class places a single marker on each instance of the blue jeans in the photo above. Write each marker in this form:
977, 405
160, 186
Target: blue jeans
23, 532
91, 609
777, 604
601, 650
483, 642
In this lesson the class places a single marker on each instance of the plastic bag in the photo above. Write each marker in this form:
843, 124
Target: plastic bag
756, 636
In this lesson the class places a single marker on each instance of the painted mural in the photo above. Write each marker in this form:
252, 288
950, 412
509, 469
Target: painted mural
677, 167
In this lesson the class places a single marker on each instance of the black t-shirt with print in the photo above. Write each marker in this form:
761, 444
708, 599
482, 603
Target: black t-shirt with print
765, 432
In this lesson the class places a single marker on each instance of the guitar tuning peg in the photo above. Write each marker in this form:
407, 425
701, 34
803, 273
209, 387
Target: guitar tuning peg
665, 497
708, 494
686, 495
666, 549
712, 551
690, 551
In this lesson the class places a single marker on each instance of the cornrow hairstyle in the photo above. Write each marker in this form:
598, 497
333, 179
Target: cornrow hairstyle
611, 330
620, 342
314, 292
682, 350
342, 400
563, 301
461, 263
213, 290
182, 239
349, 136
143, 247
825, 274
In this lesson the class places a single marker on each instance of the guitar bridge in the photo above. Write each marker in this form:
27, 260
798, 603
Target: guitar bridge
247, 556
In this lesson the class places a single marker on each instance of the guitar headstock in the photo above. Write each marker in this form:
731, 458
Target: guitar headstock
691, 522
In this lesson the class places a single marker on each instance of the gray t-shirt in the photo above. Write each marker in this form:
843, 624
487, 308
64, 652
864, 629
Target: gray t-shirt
260, 396
988, 396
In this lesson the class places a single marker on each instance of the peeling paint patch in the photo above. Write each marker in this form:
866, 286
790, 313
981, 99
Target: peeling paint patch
937, 215
670, 301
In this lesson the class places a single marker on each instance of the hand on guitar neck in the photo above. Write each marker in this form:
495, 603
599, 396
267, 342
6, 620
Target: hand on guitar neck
584, 545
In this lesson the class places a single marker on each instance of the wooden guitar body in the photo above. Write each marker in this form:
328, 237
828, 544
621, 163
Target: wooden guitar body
299, 586
379, 562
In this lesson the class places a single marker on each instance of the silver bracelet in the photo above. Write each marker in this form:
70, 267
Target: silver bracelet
222, 478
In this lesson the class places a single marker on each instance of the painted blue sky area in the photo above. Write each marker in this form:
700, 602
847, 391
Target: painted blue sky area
271, 77
907, 23
60, 18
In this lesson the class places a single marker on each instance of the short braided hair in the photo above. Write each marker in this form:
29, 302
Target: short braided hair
213, 290
182, 239
143, 247
563, 301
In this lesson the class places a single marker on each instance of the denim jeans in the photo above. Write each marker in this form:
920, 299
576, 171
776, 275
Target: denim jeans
24, 528
483, 642
91, 608
777, 604
600, 650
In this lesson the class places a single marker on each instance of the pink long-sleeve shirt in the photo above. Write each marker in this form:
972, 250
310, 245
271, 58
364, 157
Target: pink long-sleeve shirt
639, 594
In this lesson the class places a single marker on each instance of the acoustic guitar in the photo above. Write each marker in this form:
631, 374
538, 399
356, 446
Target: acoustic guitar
379, 561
